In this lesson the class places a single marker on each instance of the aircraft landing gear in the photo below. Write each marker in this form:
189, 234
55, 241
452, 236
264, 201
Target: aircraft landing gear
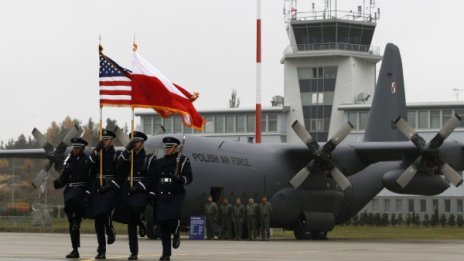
302, 234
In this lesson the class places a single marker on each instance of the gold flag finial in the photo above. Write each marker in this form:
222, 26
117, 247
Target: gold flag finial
134, 48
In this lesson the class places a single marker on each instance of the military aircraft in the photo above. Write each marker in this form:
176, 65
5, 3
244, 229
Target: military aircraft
315, 186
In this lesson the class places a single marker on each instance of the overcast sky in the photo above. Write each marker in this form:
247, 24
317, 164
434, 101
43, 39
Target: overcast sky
49, 59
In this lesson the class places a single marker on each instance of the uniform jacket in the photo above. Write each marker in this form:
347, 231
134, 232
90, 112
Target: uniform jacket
170, 195
238, 211
76, 176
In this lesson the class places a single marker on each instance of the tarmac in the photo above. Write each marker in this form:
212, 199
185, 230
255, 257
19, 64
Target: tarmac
44, 246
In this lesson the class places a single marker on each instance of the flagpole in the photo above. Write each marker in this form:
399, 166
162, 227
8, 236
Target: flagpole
258, 72
132, 131
100, 50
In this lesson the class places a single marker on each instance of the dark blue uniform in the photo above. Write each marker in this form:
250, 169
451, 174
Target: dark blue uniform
104, 196
76, 177
169, 193
132, 201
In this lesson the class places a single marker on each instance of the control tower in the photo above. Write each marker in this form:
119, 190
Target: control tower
330, 61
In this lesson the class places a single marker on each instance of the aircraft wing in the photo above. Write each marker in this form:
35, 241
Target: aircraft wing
24, 153
384, 151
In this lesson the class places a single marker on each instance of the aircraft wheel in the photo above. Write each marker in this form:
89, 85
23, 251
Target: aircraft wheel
301, 234
318, 235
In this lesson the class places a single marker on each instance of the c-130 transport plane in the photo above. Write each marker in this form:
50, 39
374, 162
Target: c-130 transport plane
315, 186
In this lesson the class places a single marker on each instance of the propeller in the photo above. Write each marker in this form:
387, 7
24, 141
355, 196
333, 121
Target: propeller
321, 157
55, 155
429, 152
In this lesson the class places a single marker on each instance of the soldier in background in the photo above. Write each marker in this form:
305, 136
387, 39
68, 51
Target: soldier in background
104, 194
76, 178
252, 213
134, 197
211, 214
265, 211
225, 215
238, 214
169, 193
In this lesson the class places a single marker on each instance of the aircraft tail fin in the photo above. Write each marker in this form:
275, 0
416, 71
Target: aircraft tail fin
389, 100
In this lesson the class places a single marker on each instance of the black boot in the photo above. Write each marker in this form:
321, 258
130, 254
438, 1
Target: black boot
100, 255
176, 240
132, 257
73, 254
142, 228
111, 235
164, 258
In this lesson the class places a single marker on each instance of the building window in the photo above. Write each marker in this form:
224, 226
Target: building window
363, 116
387, 205
314, 98
459, 205
353, 118
446, 115
328, 98
168, 125
240, 123
219, 124
209, 126
423, 119
447, 205
263, 122
250, 123
316, 125
177, 124
375, 205
460, 112
272, 122
156, 122
399, 205
147, 125
434, 119
423, 205
411, 205
230, 124
412, 118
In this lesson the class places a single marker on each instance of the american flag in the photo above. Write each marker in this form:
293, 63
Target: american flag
115, 83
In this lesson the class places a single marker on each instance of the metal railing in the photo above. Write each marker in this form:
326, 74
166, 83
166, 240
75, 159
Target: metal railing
293, 49
332, 14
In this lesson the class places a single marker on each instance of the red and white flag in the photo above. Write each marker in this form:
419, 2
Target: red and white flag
151, 89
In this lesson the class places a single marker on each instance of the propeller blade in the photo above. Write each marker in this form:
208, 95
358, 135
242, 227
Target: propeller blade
73, 132
405, 177
40, 177
341, 180
121, 136
40, 138
405, 128
159, 130
341, 134
304, 135
449, 126
300, 177
451, 174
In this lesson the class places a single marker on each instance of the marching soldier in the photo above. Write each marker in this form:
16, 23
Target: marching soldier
252, 210
238, 214
134, 194
76, 177
211, 214
225, 213
265, 211
169, 193
105, 194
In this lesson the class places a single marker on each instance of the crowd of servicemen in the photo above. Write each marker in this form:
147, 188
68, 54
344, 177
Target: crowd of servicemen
230, 219
109, 186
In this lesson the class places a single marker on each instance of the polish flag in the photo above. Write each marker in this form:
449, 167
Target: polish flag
151, 89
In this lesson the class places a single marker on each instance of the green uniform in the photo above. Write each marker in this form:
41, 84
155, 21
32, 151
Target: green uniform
252, 213
225, 214
211, 212
265, 211
238, 214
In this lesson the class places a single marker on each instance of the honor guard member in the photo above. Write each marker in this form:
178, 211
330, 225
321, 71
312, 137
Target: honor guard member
75, 178
211, 214
134, 197
225, 214
104, 194
252, 212
169, 193
265, 211
238, 214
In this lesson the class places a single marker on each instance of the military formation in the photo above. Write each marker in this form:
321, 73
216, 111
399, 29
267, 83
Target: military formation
115, 186
227, 221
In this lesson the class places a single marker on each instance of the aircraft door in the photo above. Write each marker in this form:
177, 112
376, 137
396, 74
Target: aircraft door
216, 193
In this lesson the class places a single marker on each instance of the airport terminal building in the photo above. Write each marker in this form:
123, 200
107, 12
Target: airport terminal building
330, 70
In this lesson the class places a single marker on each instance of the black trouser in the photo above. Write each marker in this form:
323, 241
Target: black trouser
168, 227
134, 220
102, 223
74, 220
